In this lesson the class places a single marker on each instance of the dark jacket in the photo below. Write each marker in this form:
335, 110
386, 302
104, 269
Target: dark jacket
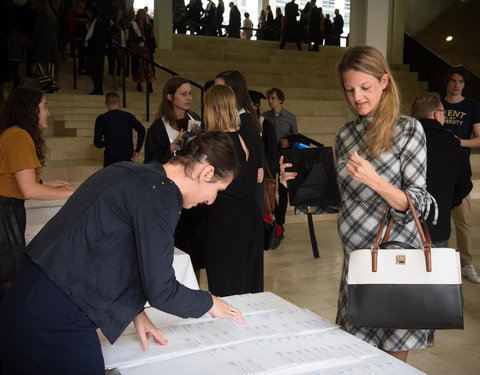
113, 130
448, 175
338, 25
291, 12
235, 20
157, 143
269, 139
110, 247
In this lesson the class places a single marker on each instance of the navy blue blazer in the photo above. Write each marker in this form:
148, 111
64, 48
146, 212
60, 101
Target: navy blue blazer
110, 248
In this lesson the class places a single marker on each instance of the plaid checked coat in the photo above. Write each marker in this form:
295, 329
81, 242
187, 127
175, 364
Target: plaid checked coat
362, 209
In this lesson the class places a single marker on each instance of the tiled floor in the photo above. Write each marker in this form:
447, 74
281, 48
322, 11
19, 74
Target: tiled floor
292, 273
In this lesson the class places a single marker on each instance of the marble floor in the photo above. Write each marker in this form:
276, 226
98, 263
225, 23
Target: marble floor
292, 273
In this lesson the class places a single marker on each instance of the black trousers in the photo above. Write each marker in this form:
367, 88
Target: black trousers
12, 236
43, 331
281, 207
289, 26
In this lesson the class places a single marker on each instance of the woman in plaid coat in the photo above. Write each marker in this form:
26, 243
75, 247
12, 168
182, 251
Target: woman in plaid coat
378, 155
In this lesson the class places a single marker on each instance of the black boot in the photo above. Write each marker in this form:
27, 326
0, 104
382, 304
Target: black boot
150, 87
139, 87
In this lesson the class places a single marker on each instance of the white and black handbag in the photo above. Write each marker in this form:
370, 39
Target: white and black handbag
406, 287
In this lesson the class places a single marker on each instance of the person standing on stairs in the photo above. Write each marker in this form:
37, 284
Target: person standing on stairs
291, 24
142, 41
95, 41
23, 153
46, 47
234, 21
113, 130
462, 117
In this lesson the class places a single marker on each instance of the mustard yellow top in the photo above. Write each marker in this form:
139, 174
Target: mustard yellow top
17, 152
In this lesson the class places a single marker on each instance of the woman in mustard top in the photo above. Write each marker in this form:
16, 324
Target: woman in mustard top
22, 155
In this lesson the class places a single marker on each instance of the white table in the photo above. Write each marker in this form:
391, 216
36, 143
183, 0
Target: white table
279, 338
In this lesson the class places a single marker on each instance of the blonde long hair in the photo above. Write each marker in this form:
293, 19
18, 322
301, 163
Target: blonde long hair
369, 60
220, 109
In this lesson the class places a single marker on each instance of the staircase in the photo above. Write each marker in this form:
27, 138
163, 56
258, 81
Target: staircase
308, 80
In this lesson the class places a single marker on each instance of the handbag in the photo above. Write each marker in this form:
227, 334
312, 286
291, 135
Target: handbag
269, 189
269, 225
405, 287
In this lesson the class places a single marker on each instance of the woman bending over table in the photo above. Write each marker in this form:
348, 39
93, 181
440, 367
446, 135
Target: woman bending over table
106, 253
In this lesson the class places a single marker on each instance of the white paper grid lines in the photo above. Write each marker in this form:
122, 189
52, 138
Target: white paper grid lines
378, 365
203, 335
281, 355
248, 304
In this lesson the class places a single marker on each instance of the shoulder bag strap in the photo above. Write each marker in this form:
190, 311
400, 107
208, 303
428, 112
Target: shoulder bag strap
422, 231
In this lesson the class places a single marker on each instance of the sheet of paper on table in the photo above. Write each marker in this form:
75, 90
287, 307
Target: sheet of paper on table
278, 338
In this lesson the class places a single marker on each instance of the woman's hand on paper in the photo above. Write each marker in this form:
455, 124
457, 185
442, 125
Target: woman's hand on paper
145, 327
223, 310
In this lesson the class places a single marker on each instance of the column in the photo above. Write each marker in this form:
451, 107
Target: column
162, 14
379, 23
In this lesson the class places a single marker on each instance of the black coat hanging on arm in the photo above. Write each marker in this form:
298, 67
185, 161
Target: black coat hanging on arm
314, 190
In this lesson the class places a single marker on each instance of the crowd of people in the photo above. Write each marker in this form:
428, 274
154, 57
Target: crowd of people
40, 31
110, 248
313, 27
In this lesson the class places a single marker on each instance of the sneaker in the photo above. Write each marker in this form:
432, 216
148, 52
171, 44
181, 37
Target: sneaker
470, 273
430, 343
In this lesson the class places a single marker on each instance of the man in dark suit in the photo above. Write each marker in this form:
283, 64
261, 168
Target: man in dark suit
219, 17
291, 13
337, 27
328, 30
234, 23
95, 41
268, 28
448, 169
315, 26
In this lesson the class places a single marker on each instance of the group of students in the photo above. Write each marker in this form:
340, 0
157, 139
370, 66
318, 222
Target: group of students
92, 29
38, 31
110, 248
313, 27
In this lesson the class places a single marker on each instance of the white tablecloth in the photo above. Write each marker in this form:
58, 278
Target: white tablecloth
279, 338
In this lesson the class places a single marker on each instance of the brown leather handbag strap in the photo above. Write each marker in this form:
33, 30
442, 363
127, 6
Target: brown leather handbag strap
376, 244
269, 173
427, 247
270, 209
422, 231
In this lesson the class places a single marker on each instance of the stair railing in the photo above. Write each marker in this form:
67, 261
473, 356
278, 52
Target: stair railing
116, 44
432, 68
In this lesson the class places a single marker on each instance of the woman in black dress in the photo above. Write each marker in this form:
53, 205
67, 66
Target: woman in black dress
232, 229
